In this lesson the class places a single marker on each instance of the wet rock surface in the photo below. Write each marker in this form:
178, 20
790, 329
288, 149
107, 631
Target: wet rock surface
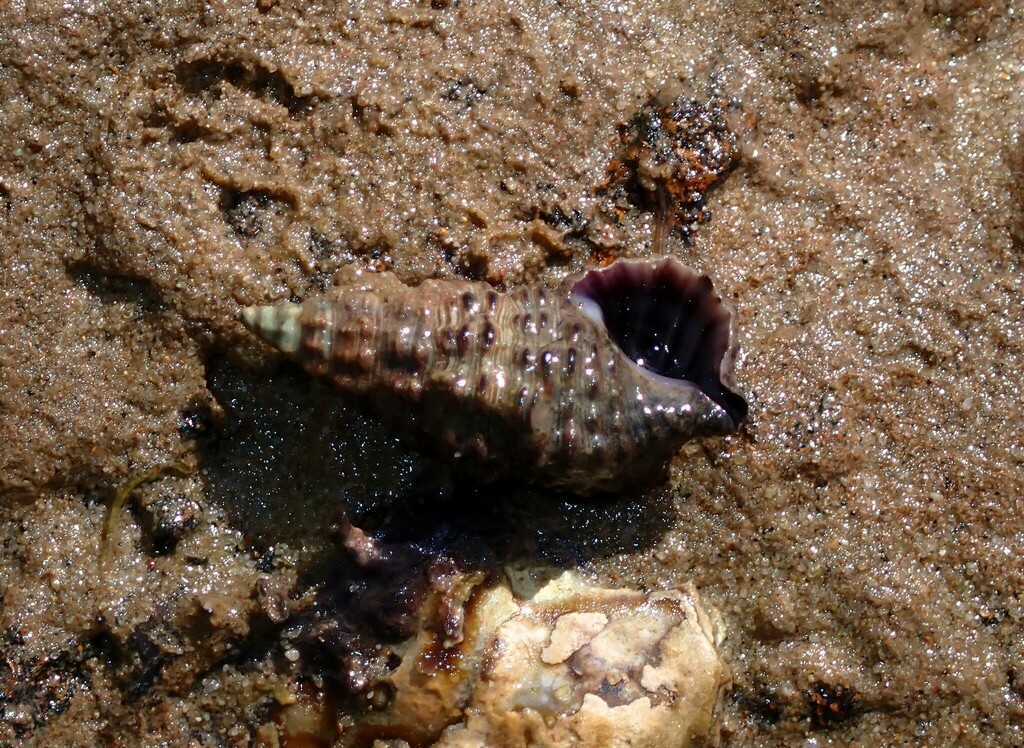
166, 163
541, 658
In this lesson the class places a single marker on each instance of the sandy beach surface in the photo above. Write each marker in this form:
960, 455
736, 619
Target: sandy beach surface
165, 163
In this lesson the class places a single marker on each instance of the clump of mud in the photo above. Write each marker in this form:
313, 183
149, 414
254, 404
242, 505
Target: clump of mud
673, 152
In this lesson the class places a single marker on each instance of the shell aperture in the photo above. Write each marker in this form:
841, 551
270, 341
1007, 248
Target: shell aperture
667, 319
589, 387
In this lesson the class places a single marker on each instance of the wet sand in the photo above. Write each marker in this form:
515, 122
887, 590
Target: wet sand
166, 163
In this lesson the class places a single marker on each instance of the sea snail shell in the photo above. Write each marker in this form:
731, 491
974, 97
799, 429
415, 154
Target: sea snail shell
589, 388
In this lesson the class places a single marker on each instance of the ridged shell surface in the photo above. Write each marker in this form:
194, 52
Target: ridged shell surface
530, 384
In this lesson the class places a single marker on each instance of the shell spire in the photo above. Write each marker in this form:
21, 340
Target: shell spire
277, 324
589, 387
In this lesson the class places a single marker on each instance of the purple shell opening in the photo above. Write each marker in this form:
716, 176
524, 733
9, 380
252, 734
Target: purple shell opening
666, 318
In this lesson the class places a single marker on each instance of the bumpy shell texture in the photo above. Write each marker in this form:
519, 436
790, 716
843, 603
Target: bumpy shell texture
588, 388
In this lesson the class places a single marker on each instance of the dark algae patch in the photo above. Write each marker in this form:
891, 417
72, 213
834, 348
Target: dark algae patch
849, 175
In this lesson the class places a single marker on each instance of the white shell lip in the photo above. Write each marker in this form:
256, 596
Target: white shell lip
590, 308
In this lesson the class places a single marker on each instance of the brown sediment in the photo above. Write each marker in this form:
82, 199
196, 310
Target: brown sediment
166, 163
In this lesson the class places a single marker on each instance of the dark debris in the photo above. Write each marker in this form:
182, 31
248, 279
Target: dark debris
671, 155
831, 704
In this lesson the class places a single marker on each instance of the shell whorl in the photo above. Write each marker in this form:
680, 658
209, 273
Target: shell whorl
587, 387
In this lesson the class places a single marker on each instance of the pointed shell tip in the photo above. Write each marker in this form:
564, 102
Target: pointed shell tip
278, 325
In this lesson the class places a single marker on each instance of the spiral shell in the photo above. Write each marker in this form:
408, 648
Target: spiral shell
588, 387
